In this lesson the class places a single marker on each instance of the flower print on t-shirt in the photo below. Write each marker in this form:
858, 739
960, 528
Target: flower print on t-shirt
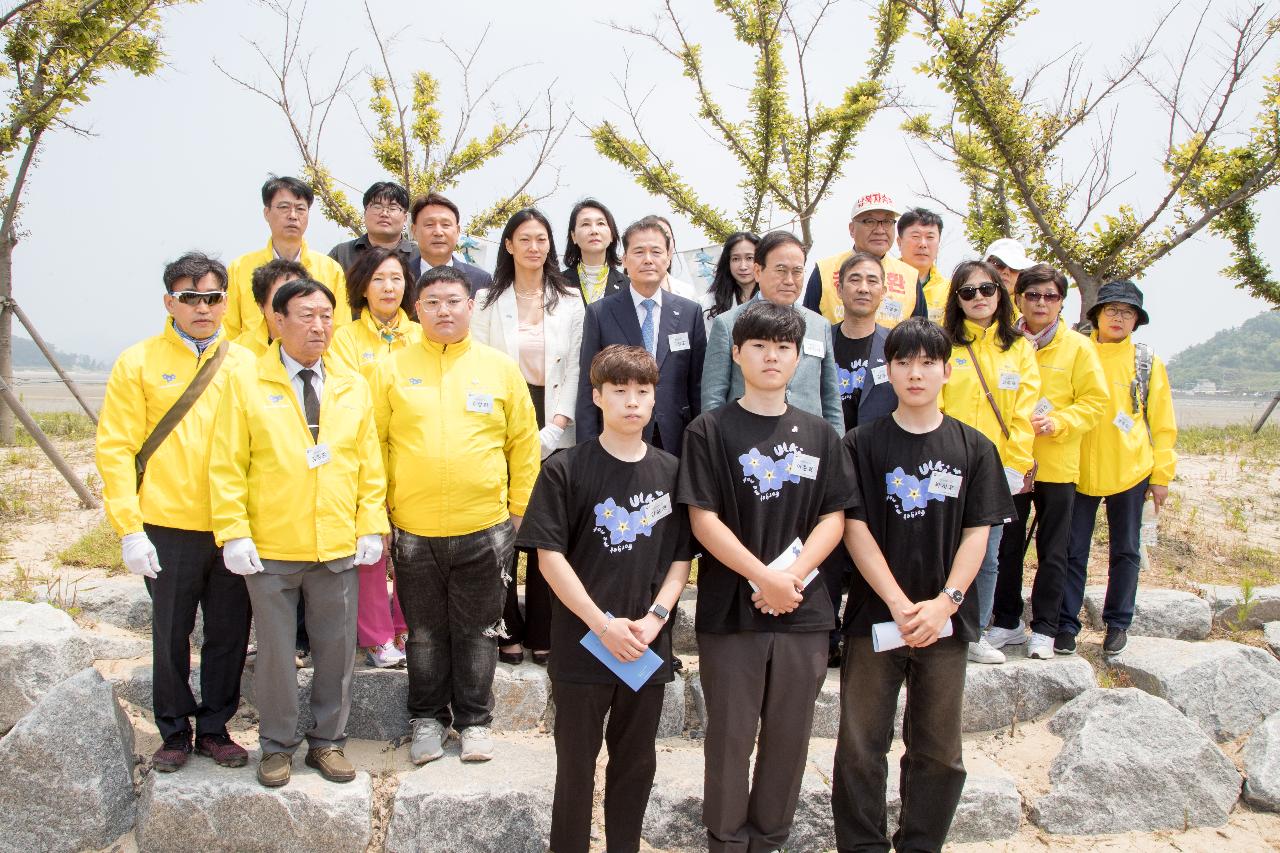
768, 474
619, 526
853, 379
910, 494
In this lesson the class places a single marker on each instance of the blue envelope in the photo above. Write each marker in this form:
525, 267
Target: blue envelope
634, 674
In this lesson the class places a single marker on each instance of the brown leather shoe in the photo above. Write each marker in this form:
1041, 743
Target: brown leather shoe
274, 769
331, 763
222, 749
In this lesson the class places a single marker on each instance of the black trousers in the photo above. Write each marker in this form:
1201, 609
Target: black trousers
836, 569
628, 778
1053, 503
192, 575
533, 627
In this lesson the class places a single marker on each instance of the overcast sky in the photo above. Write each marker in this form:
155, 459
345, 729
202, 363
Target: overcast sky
176, 160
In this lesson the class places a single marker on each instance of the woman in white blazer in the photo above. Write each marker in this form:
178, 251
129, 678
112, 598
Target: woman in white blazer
533, 315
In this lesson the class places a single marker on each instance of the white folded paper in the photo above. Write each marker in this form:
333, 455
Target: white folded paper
783, 562
885, 636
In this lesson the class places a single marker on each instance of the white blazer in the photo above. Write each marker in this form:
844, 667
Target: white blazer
496, 325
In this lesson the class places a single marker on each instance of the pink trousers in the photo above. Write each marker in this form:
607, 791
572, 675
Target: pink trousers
378, 616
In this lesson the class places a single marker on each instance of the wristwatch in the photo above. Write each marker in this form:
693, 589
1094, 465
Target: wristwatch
660, 611
954, 594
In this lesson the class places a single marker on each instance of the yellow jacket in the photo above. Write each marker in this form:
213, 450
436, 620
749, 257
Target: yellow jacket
1112, 460
244, 317
453, 469
1016, 370
259, 478
359, 345
936, 290
146, 380
899, 290
1071, 380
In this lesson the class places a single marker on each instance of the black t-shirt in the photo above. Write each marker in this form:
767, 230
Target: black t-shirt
743, 467
915, 523
590, 506
853, 373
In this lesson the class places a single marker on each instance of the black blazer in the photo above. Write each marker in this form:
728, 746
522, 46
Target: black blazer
477, 278
612, 320
617, 281
880, 399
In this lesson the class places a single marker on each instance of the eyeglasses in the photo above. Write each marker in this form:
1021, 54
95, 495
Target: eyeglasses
1000, 265
379, 207
195, 297
284, 208
876, 223
970, 292
1120, 312
1047, 298
793, 273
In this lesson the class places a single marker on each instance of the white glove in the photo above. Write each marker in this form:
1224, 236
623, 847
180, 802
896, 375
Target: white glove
140, 555
1015, 480
550, 436
368, 549
241, 557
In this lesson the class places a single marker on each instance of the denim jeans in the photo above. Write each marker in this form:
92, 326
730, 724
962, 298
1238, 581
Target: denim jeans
985, 582
1053, 503
932, 769
451, 591
1124, 522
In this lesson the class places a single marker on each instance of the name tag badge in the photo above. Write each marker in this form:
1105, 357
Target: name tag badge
477, 402
814, 347
678, 342
944, 483
892, 309
1123, 422
1009, 381
1042, 408
805, 466
880, 374
657, 509
317, 455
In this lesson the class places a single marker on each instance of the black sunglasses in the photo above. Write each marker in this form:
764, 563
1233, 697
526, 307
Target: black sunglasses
1048, 298
969, 292
195, 297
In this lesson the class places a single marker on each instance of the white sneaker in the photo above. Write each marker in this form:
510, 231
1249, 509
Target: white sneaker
428, 741
998, 638
385, 656
477, 743
982, 652
1040, 647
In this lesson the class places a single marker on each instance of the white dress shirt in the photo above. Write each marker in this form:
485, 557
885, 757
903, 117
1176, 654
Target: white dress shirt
292, 366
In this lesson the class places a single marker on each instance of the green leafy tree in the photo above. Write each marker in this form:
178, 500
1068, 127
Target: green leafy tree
788, 158
56, 52
1007, 141
407, 135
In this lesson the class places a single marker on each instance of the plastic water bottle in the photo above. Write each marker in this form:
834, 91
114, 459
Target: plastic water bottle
1148, 534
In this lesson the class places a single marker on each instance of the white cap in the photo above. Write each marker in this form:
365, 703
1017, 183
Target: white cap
1010, 253
874, 201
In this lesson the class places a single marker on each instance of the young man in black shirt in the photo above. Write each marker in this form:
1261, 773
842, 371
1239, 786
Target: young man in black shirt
766, 485
927, 490
615, 551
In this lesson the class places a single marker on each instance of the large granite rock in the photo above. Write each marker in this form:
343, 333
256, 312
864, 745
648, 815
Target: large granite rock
671, 723
1168, 613
1262, 765
1226, 687
1131, 762
504, 804
1021, 688
135, 685
1226, 600
1271, 633
117, 646
520, 695
684, 639
221, 810
119, 601
40, 646
66, 771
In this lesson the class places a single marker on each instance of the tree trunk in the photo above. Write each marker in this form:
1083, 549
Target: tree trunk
7, 434
806, 234
1088, 296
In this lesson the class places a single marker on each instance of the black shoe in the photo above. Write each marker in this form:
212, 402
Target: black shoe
676, 663
513, 658
541, 658
1117, 639
833, 658
173, 753
1065, 644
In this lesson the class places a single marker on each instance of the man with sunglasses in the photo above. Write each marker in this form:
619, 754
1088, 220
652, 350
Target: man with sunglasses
386, 209
871, 225
163, 516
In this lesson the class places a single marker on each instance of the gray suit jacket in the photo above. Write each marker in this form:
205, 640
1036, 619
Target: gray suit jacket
815, 387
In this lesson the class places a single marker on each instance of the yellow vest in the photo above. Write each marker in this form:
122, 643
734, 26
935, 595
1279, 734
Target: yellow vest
359, 345
899, 290
936, 291
244, 317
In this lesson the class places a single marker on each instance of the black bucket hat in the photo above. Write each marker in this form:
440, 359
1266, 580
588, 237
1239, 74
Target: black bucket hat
1123, 292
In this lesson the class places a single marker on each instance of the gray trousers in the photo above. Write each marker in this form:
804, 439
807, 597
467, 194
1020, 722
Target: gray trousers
330, 591
751, 679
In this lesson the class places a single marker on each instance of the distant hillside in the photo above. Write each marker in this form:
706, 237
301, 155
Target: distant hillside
27, 355
1246, 358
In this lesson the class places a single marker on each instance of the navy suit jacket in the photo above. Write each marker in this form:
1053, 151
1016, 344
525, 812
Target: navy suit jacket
879, 399
616, 281
612, 320
477, 278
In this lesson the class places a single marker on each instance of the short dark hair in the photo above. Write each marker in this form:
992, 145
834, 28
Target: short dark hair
775, 240
299, 287
919, 216
361, 273
429, 200
855, 259
573, 254
271, 272
435, 275
1041, 274
386, 191
195, 266
645, 223
917, 336
764, 321
275, 184
619, 364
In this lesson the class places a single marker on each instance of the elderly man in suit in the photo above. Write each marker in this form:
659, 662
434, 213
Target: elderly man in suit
670, 327
779, 268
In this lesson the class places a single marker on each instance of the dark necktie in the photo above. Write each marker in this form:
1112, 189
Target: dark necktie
310, 402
